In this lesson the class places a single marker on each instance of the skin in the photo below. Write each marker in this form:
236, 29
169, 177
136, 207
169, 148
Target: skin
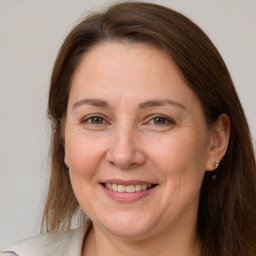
165, 144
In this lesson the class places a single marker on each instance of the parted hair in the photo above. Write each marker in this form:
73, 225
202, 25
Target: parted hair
226, 223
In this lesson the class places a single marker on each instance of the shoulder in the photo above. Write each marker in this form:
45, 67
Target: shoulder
58, 244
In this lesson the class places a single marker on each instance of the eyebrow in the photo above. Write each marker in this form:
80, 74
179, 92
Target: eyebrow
93, 102
160, 103
147, 104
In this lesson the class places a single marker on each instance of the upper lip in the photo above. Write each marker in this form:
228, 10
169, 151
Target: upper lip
127, 182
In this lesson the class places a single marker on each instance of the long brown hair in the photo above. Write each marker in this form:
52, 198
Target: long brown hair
226, 224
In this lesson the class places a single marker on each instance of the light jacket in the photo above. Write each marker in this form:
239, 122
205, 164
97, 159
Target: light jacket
66, 243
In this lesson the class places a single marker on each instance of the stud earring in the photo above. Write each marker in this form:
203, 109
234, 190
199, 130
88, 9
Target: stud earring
216, 164
214, 176
65, 162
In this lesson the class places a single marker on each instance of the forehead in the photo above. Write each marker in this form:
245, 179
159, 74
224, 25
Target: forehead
133, 70
126, 58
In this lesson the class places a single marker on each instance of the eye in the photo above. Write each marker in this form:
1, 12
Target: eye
161, 120
94, 120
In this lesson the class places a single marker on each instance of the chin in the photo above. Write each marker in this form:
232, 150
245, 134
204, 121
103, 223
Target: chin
127, 225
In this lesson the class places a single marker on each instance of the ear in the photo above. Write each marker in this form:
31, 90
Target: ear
219, 140
66, 161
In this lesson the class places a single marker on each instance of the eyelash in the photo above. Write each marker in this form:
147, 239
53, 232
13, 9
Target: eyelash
85, 120
167, 120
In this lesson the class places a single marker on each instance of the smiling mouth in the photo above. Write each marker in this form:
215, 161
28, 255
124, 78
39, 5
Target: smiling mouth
128, 189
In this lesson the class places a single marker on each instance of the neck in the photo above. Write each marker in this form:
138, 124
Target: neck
175, 243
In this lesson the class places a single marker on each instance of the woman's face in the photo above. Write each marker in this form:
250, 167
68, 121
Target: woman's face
134, 125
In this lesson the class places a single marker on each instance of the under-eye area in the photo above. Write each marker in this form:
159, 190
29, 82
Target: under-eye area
128, 189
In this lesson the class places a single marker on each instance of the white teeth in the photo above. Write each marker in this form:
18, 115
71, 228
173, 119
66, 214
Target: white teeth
109, 186
138, 188
129, 189
144, 187
120, 188
114, 187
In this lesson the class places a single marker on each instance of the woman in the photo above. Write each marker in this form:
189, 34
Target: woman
149, 141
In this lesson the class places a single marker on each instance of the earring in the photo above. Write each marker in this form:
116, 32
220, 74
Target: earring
214, 176
216, 164
65, 162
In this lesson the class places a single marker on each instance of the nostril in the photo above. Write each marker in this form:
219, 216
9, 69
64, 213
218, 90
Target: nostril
126, 159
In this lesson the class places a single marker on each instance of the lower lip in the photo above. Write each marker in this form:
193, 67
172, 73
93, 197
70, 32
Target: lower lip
127, 197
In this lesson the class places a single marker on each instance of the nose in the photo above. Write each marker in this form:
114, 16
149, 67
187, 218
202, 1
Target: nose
125, 151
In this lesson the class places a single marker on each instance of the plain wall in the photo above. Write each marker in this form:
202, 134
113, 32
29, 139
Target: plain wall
31, 32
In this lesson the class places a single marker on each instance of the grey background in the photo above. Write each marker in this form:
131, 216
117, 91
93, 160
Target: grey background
31, 33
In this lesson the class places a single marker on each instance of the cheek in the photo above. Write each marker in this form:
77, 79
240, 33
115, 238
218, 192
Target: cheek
83, 153
180, 161
179, 153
